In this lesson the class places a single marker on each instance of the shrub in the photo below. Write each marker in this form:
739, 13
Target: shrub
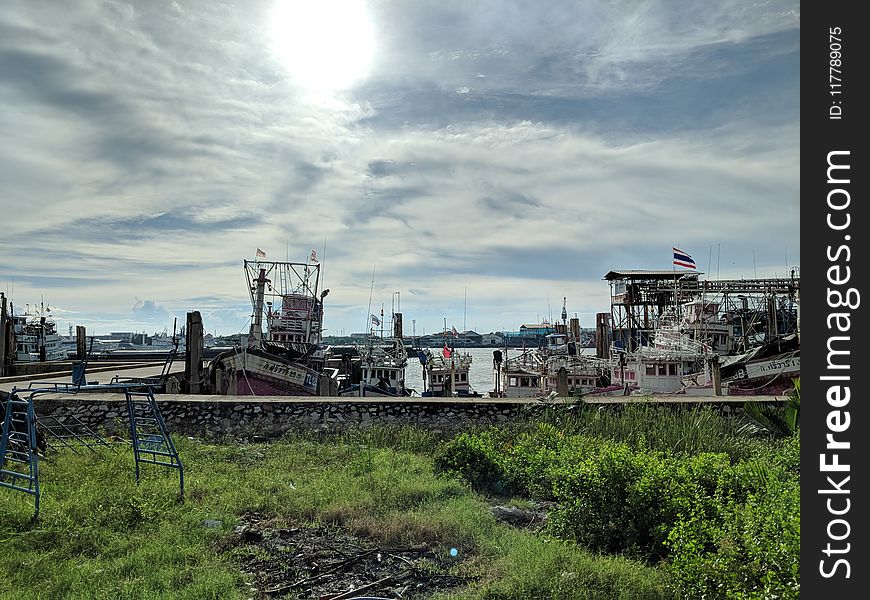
747, 549
476, 458
627, 501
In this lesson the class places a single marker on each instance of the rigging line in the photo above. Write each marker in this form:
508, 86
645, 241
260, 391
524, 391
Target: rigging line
245, 368
323, 265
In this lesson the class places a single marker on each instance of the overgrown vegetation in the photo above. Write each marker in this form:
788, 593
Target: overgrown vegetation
102, 536
719, 512
649, 503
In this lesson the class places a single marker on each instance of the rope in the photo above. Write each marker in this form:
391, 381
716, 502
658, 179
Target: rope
244, 371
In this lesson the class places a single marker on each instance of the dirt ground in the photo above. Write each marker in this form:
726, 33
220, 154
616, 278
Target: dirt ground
330, 564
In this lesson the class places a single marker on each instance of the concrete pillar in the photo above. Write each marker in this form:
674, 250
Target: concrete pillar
193, 353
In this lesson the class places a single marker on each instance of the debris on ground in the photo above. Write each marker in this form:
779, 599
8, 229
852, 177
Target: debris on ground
518, 517
533, 518
320, 563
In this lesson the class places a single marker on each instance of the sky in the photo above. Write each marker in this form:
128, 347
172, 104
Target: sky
484, 159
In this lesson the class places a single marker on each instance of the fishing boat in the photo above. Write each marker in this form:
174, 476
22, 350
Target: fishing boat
36, 337
381, 367
519, 376
558, 367
284, 358
446, 373
570, 372
768, 369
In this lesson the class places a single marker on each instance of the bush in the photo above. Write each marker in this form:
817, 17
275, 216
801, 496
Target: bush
476, 458
723, 528
625, 501
747, 549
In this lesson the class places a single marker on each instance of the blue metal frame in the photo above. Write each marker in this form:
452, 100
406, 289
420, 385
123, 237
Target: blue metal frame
150, 437
151, 441
19, 448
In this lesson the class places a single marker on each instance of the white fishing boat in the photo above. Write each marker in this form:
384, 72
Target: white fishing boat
446, 373
381, 367
36, 337
519, 376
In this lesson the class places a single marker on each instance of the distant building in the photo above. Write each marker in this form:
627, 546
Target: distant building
529, 335
537, 329
468, 338
491, 339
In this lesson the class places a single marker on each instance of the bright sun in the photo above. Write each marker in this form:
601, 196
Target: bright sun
326, 45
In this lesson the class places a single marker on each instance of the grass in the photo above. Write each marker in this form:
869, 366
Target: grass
673, 429
102, 536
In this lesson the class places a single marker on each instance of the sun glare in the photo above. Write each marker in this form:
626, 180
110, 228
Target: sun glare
326, 45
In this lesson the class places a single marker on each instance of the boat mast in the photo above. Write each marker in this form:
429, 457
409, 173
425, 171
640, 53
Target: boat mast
257, 318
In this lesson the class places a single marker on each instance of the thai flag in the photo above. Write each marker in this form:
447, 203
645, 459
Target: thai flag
313, 257
375, 320
682, 259
454, 332
260, 253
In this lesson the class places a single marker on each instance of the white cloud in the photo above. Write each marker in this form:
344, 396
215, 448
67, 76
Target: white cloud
147, 153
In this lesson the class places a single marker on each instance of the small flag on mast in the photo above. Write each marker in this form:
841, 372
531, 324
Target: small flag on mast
454, 332
446, 351
375, 320
683, 259
313, 256
260, 253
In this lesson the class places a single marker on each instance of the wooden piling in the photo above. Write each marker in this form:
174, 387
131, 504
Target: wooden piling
602, 335
81, 342
193, 353
562, 382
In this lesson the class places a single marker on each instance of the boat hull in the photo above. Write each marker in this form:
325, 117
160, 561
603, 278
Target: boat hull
254, 372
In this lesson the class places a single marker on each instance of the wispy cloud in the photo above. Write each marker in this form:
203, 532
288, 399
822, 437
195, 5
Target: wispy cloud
517, 149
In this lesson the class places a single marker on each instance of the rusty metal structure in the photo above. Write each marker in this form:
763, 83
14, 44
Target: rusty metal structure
756, 311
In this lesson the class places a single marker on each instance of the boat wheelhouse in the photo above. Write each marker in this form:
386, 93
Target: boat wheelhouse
446, 373
382, 363
520, 376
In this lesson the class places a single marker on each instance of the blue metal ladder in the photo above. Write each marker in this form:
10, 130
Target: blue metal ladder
19, 462
151, 441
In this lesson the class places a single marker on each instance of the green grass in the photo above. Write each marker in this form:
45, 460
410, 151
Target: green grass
723, 524
102, 536
675, 429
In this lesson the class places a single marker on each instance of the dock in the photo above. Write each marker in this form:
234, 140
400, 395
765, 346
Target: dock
101, 374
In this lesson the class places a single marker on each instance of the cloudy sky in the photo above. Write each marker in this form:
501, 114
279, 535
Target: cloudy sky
511, 152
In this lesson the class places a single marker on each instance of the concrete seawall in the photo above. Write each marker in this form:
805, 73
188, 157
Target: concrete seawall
215, 417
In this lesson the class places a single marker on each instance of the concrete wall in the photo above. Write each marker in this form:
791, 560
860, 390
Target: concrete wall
249, 419
216, 417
